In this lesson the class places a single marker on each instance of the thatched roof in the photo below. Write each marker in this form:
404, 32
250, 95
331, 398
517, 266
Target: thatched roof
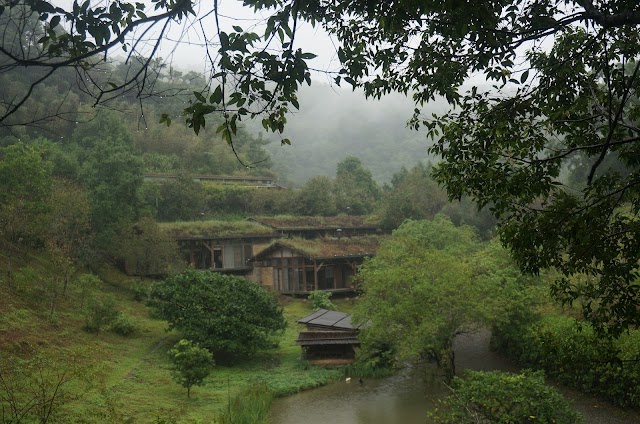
215, 229
315, 222
325, 247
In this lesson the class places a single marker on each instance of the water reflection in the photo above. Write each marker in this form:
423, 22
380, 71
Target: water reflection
406, 397
403, 398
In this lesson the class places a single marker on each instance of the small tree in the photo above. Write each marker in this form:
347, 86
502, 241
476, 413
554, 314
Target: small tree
190, 364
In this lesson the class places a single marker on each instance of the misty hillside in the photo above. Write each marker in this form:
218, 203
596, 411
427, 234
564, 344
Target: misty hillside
335, 122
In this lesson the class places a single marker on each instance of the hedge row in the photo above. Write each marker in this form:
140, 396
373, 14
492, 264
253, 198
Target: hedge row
578, 357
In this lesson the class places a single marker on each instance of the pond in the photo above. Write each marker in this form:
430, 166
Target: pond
406, 397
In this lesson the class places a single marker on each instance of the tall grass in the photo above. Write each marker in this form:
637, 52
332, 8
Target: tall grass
250, 406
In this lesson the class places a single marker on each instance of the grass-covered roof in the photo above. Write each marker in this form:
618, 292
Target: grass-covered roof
327, 247
213, 229
284, 222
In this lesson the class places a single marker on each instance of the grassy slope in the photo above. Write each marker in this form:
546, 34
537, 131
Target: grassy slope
131, 380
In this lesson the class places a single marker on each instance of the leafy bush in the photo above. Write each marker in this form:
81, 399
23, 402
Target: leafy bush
140, 291
99, 314
123, 325
321, 300
498, 397
578, 357
223, 313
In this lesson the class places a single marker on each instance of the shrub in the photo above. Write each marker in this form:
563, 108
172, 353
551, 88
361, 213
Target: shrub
499, 397
578, 357
140, 291
321, 300
99, 314
123, 325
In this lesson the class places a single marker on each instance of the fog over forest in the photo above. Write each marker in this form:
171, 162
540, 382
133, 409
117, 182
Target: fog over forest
334, 122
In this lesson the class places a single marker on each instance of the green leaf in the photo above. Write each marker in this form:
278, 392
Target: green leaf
54, 22
524, 76
216, 97
200, 97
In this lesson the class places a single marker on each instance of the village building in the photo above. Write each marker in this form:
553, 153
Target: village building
291, 255
330, 338
221, 246
300, 266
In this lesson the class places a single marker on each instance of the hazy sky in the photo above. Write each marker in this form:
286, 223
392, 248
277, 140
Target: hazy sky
185, 45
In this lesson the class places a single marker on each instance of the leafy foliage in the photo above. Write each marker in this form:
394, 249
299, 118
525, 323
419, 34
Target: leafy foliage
190, 364
146, 250
430, 282
550, 104
499, 397
578, 357
100, 313
25, 183
41, 389
222, 313
321, 300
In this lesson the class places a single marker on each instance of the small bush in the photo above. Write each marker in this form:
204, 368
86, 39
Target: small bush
100, 314
123, 325
578, 357
499, 397
140, 291
321, 300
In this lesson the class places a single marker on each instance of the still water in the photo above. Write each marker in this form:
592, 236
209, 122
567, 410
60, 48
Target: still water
406, 397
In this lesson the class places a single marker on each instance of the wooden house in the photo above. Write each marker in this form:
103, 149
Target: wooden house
330, 338
220, 246
300, 266
292, 255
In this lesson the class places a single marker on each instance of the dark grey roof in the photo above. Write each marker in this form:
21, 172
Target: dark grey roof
309, 338
329, 319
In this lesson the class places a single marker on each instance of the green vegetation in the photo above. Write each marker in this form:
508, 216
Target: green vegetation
572, 353
115, 378
214, 228
430, 282
503, 398
223, 313
190, 364
321, 300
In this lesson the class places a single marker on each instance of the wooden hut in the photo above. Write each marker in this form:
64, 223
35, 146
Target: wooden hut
300, 266
330, 338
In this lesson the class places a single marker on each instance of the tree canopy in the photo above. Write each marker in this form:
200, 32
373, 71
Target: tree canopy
550, 85
430, 282
222, 313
